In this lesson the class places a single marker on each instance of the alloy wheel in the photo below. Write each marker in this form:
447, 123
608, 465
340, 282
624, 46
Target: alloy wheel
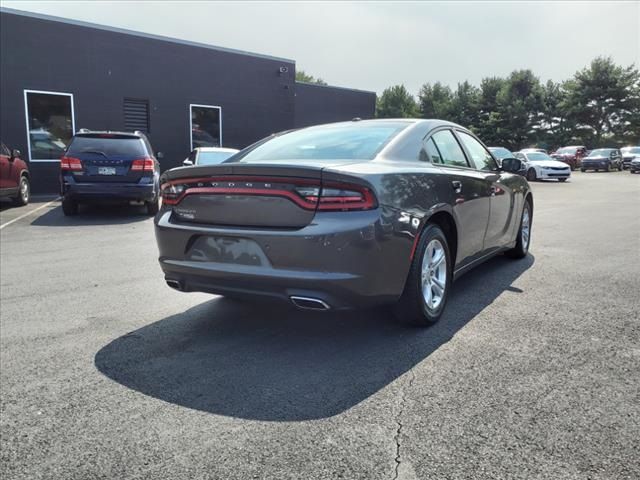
526, 227
24, 190
434, 274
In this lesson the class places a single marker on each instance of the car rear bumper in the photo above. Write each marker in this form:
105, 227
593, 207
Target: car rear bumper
338, 259
595, 165
108, 190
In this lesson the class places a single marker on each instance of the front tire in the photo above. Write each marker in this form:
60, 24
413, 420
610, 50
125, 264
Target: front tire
429, 281
69, 207
524, 233
531, 175
24, 192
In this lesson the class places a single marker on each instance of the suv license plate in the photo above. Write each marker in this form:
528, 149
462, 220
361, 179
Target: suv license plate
106, 170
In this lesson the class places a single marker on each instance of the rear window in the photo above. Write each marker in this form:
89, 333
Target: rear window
108, 146
355, 141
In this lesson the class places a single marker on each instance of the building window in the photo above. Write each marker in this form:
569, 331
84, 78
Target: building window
136, 115
50, 124
206, 126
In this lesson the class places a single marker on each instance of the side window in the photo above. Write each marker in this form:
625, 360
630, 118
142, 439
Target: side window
449, 149
429, 152
480, 155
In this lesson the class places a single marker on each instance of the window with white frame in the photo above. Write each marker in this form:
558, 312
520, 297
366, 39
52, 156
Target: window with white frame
206, 126
50, 124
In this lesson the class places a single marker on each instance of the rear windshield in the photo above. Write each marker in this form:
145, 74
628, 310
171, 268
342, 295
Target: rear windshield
213, 158
354, 141
601, 152
108, 146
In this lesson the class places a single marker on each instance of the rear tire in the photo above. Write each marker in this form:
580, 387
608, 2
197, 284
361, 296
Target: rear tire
429, 281
69, 207
524, 233
562, 179
24, 192
153, 206
582, 170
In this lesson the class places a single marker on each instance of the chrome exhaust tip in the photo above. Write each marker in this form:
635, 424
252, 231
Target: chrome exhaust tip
174, 284
308, 303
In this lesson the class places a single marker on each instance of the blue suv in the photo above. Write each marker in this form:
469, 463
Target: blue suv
107, 167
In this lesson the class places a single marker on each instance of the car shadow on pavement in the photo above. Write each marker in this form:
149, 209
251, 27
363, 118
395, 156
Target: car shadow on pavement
279, 364
91, 215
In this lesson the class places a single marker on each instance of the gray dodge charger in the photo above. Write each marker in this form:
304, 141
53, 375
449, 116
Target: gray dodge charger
345, 215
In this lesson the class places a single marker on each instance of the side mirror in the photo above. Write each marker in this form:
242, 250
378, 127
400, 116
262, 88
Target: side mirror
15, 153
159, 155
187, 163
511, 165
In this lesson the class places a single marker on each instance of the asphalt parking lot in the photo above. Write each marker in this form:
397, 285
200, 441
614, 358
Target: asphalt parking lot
533, 372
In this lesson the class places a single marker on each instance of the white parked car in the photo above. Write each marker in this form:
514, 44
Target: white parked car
541, 166
208, 156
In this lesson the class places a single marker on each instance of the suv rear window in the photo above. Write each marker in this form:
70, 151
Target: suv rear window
111, 146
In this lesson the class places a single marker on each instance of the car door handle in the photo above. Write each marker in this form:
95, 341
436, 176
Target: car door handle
457, 186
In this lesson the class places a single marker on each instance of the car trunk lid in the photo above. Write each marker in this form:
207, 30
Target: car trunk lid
258, 195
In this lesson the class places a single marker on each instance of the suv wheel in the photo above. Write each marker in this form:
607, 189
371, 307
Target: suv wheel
153, 206
531, 175
24, 192
69, 207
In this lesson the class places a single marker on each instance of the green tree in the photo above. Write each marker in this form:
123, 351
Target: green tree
302, 76
520, 107
604, 99
490, 123
435, 101
396, 102
464, 105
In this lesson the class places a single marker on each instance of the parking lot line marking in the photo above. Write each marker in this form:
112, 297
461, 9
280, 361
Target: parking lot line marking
24, 215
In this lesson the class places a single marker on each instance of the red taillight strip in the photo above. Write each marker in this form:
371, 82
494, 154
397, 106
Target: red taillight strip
260, 192
311, 202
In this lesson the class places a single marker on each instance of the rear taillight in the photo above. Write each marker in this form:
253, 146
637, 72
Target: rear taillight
345, 197
142, 165
70, 164
307, 194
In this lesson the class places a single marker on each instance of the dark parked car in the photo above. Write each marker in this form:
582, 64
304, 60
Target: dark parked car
628, 154
108, 167
344, 215
571, 155
500, 153
14, 176
602, 159
634, 166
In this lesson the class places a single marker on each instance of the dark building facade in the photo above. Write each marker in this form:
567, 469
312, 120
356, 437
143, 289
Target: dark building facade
58, 76
324, 104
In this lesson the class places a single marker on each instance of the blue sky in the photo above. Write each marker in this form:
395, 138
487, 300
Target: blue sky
371, 45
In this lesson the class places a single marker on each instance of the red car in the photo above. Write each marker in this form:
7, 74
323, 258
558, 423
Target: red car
14, 176
571, 155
